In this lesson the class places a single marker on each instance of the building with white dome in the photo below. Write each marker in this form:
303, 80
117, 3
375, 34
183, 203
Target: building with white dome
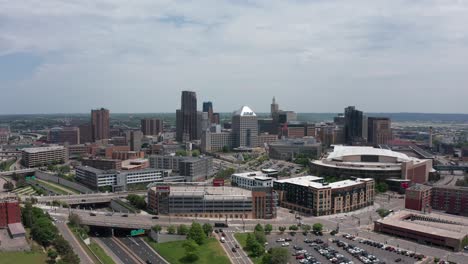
369, 162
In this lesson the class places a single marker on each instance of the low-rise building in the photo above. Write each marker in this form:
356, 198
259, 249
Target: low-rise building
418, 197
216, 141
310, 195
427, 229
62, 135
103, 164
451, 199
194, 168
211, 202
251, 180
10, 211
96, 178
287, 149
41, 156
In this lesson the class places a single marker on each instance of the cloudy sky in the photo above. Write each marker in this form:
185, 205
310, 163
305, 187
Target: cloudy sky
314, 56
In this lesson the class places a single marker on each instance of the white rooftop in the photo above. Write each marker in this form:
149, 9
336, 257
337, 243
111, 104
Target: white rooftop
245, 111
312, 181
340, 151
41, 149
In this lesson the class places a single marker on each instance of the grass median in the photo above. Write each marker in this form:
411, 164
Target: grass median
210, 252
100, 253
242, 239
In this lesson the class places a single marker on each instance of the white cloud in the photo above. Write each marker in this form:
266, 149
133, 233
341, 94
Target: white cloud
315, 56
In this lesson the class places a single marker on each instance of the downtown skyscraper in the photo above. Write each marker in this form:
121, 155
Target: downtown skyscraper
100, 124
186, 117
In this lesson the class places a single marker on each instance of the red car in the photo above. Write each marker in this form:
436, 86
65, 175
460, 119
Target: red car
300, 256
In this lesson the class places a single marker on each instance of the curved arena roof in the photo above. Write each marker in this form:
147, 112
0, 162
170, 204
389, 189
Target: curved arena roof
342, 151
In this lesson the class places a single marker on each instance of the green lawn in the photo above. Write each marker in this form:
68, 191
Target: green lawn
242, 239
210, 253
100, 253
22, 258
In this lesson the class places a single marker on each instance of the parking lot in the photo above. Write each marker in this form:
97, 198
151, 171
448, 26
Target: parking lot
312, 249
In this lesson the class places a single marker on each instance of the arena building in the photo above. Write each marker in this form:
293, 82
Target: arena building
369, 162
427, 229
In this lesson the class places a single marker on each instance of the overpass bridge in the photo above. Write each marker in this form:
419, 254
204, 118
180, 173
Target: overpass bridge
22, 171
422, 152
91, 198
451, 168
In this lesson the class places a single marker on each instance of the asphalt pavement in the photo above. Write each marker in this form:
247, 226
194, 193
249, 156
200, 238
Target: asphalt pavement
74, 243
118, 251
141, 249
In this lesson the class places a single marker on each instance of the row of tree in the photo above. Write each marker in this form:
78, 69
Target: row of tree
137, 201
47, 235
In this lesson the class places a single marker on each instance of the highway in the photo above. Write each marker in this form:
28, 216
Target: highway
142, 249
238, 257
118, 250
86, 198
74, 243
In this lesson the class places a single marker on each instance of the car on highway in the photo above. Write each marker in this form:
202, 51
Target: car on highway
236, 246
92, 214
398, 260
155, 217
222, 239
234, 249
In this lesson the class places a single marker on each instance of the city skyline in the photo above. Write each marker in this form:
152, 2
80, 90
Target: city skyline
314, 56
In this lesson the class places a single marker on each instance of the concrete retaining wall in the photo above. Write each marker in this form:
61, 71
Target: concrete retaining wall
54, 178
161, 238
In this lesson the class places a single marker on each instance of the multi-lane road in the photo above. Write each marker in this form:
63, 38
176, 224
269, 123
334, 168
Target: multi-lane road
237, 257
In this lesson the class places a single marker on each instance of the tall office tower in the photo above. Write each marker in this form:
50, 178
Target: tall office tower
274, 108
379, 130
203, 123
208, 108
186, 117
135, 140
245, 128
353, 125
339, 120
151, 126
100, 126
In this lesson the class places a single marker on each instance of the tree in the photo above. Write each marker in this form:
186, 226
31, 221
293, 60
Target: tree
259, 227
196, 233
74, 220
191, 248
306, 228
71, 258
250, 240
276, 256
282, 229
208, 229
52, 254
157, 228
137, 201
195, 153
317, 227
257, 249
181, 153
381, 187
268, 228
43, 231
8, 186
293, 228
182, 230
260, 236
383, 212
171, 230
27, 214
61, 245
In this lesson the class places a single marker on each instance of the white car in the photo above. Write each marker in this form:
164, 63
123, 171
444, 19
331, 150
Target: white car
285, 244
280, 240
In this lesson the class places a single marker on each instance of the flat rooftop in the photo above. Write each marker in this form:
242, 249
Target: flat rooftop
250, 174
313, 181
340, 151
443, 225
221, 191
42, 149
